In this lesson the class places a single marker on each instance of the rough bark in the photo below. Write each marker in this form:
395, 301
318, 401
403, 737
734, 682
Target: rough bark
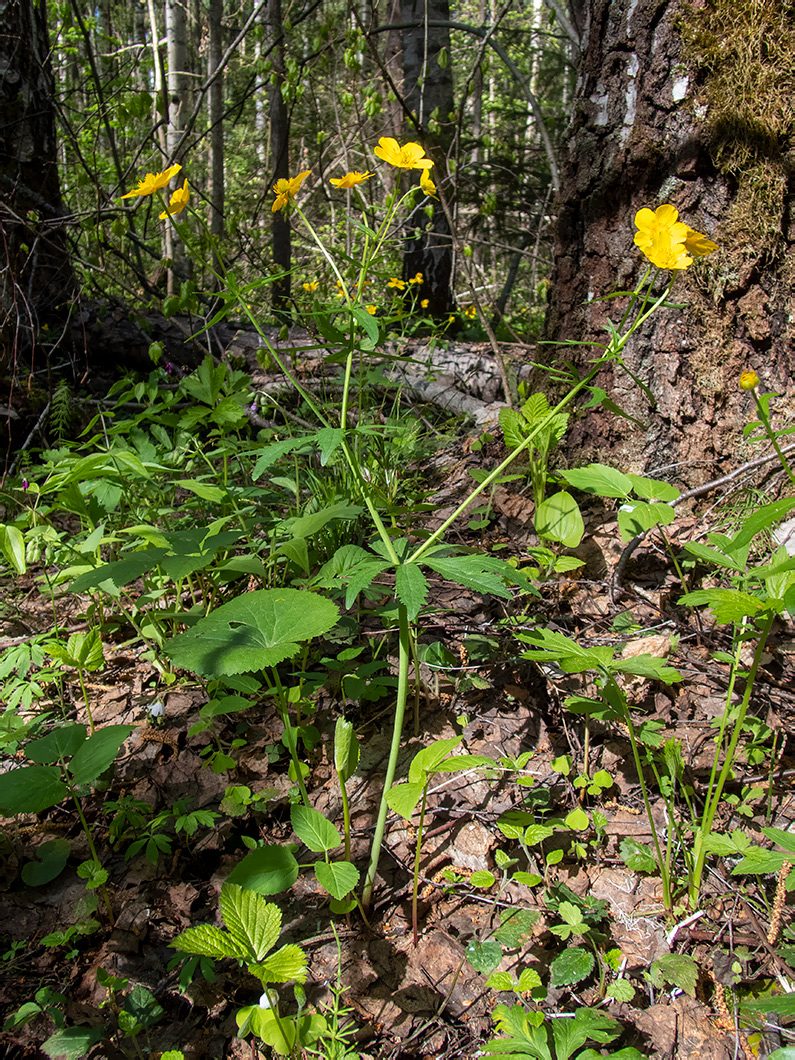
650, 126
36, 279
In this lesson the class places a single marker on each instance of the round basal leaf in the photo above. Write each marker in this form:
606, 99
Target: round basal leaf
60, 743
558, 518
30, 789
347, 905
313, 829
577, 820
483, 879
268, 870
403, 798
338, 878
97, 753
255, 630
599, 479
484, 956
262, 1022
571, 966
51, 858
71, 1043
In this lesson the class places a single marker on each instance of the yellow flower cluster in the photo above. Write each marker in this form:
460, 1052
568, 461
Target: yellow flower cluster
668, 242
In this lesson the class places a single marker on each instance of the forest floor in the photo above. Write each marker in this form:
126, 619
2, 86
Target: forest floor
423, 1000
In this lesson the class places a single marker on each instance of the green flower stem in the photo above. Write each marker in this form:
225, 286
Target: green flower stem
764, 419
346, 817
289, 732
87, 832
397, 729
85, 697
495, 474
716, 789
661, 861
417, 854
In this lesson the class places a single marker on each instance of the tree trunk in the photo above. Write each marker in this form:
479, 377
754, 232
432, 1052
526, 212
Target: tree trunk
428, 90
36, 281
280, 156
688, 104
216, 107
178, 109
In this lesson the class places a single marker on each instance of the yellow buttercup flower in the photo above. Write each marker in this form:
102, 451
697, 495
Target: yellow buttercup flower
471, 312
410, 156
311, 286
153, 182
350, 180
698, 245
287, 189
749, 380
417, 279
661, 237
371, 309
395, 282
427, 184
177, 202
425, 303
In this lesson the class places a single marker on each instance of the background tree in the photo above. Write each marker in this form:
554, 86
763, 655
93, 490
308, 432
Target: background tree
36, 278
692, 104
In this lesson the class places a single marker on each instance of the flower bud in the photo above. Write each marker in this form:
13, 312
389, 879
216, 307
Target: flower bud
749, 380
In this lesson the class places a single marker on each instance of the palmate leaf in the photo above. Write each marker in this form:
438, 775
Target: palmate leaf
62, 742
587, 1025
30, 789
526, 1036
727, 605
411, 587
207, 940
483, 574
253, 923
257, 629
284, 966
94, 756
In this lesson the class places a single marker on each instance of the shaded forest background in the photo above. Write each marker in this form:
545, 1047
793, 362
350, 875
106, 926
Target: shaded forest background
549, 125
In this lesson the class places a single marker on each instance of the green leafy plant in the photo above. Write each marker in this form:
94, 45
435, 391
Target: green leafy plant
403, 798
252, 930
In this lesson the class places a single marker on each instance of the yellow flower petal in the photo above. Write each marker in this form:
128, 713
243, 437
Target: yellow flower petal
350, 180
153, 182
427, 184
178, 202
410, 156
287, 188
699, 245
749, 380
